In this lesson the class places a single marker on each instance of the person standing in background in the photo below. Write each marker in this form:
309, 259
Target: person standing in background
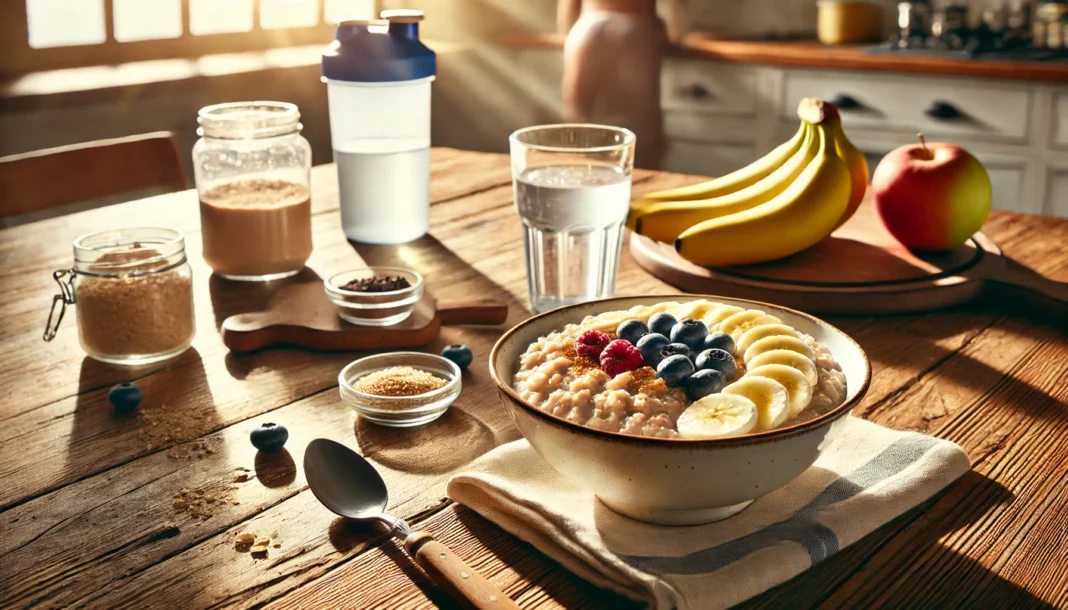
612, 62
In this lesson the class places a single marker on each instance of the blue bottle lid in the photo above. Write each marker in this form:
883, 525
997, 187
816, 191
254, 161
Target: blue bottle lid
379, 51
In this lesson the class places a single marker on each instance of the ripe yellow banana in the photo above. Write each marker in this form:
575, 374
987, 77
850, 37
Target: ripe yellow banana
858, 168
667, 220
735, 181
802, 215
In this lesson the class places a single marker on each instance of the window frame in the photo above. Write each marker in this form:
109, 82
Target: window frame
18, 57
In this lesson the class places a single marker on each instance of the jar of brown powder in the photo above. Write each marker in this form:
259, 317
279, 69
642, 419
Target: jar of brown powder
134, 294
253, 171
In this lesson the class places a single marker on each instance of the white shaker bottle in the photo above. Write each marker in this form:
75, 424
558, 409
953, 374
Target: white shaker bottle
378, 78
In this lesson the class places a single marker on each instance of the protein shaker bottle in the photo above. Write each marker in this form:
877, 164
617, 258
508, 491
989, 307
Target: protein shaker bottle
378, 76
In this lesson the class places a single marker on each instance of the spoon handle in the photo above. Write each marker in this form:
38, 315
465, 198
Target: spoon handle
451, 573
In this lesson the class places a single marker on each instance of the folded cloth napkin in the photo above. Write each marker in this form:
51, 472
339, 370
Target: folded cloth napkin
866, 477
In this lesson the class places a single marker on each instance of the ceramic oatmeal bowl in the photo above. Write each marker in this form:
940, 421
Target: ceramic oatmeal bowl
676, 481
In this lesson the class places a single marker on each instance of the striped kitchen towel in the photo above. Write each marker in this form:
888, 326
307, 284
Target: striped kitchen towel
866, 477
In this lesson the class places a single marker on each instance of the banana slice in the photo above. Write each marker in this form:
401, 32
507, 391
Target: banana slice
719, 315
757, 333
741, 322
797, 385
770, 397
696, 310
718, 416
788, 358
768, 344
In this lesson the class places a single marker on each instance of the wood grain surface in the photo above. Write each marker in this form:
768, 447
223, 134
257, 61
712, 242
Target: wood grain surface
88, 509
812, 54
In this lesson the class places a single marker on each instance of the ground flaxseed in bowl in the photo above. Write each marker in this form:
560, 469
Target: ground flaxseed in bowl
401, 389
399, 381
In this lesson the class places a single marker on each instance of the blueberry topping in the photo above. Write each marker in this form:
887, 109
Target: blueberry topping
703, 383
717, 360
125, 397
676, 349
674, 370
721, 341
650, 346
458, 353
269, 437
662, 323
632, 331
690, 332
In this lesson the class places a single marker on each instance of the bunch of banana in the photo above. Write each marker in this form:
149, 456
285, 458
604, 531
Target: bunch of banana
779, 380
785, 202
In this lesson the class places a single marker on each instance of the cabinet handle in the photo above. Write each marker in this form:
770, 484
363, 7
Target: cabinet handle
943, 111
697, 91
843, 101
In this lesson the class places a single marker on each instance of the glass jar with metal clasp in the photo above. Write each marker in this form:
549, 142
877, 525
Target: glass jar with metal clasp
133, 291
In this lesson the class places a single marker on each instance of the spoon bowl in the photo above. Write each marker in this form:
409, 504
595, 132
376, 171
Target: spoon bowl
344, 482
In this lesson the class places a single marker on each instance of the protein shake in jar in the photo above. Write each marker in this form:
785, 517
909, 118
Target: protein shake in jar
253, 173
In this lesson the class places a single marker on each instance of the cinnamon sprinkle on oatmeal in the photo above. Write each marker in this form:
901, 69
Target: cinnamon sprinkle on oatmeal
581, 364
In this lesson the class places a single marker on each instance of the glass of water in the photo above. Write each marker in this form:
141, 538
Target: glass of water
572, 190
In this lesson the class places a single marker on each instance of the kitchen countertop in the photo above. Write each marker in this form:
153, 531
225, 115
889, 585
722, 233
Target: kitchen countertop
87, 509
811, 54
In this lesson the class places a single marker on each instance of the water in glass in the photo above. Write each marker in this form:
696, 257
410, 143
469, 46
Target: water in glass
573, 217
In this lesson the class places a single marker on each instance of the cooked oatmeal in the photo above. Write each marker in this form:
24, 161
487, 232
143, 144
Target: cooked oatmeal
554, 377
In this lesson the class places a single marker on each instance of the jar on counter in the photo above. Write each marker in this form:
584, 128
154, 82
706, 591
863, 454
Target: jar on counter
253, 175
134, 294
848, 21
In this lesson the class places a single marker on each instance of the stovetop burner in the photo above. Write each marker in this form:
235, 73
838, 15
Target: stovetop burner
923, 48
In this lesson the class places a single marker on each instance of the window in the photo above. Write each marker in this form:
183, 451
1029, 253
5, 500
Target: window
48, 34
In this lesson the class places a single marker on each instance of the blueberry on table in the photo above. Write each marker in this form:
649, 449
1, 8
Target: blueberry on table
717, 360
269, 437
690, 332
631, 330
662, 323
460, 354
650, 346
703, 383
125, 397
721, 341
674, 370
676, 349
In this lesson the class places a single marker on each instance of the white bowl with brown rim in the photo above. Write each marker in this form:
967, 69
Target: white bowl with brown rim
676, 481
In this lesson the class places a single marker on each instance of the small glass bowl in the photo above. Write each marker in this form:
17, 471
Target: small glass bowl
400, 411
374, 308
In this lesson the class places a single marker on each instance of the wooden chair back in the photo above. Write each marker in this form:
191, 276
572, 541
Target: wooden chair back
53, 177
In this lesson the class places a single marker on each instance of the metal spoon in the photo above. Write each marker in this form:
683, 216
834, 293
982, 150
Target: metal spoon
350, 486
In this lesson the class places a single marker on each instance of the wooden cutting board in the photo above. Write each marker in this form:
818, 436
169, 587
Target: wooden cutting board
860, 270
299, 314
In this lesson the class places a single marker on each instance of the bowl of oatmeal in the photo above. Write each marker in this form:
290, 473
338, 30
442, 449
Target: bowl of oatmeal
678, 409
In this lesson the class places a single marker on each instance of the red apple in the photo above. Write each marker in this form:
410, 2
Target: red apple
931, 195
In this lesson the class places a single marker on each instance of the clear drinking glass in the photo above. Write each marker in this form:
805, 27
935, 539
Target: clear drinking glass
572, 190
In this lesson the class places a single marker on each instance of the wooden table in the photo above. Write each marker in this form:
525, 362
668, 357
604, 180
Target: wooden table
86, 504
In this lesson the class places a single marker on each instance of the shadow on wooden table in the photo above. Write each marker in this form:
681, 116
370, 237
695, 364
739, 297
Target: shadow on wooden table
874, 569
167, 416
275, 469
535, 568
956, 365
441, 446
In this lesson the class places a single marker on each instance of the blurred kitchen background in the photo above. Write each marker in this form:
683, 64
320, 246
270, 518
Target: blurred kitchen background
986, 74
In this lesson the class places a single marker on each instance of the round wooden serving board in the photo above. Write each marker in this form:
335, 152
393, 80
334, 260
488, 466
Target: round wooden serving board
860, 270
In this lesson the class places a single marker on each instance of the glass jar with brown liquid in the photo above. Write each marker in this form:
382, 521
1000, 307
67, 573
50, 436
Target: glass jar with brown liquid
253, 174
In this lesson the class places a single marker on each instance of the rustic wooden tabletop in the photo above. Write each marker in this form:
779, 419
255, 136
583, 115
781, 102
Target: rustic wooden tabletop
87, 504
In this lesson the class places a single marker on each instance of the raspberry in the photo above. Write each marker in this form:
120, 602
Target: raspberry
620, 356
591, 343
